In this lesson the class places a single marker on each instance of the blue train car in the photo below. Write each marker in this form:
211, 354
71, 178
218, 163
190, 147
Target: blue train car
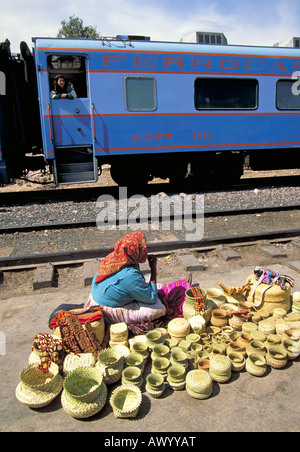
170, 110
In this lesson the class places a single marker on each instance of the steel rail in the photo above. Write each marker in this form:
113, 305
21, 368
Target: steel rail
156, 248
87, 193
193, 215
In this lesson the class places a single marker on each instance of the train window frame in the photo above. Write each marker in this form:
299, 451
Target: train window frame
126, 97
291, 82
79, 73
231, 79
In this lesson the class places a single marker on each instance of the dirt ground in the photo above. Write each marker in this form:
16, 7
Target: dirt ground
37, 181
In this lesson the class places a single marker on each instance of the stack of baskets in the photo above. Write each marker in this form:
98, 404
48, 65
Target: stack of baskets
220, 368
110, 363
37, 389
199, 384
118, 334
179, 328
132, 375
155, 384
176, 376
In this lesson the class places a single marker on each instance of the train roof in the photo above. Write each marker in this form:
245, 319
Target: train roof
123, 44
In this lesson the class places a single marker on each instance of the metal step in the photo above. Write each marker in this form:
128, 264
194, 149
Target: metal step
75, 166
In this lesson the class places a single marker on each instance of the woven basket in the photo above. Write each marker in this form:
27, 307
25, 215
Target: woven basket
188, 310
273, 340
248, 327
155, 385
244, 340
256, 365
37, 389
160, 366
154, 337
234, 347
220, 365
179, 328
176, 373
73, 362
84, 392
199, 384
272, 299
110, 363
267, 326
161, 351
219, 318
83, 384
119, 332
82, 410
132, 375
125, 401
276, 357
292, 348
203, 364
178, 356
236, 322
256, 347
136, 360
238, 362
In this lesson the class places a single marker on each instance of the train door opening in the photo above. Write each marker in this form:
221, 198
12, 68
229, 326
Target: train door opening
71, 120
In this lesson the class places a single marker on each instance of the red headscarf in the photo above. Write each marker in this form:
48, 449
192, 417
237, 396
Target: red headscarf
130, 250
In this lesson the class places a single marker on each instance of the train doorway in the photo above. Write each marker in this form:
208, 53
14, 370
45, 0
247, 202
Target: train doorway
71, 120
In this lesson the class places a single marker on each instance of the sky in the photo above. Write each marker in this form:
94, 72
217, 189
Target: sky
244, 22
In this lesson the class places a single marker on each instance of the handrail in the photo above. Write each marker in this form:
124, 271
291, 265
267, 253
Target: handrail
94, 128
49, 123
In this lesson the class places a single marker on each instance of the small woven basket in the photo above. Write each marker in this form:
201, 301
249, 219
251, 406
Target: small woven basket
199, 384
256, 365
125, 401
179, 328
277, 357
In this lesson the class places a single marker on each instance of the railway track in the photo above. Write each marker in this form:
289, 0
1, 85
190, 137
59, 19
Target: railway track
88, 193
173, 217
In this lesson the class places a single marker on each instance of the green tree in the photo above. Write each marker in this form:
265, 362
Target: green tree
73, 28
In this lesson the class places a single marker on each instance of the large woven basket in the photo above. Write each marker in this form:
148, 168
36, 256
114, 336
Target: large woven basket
273, 298
84, 392
37, 389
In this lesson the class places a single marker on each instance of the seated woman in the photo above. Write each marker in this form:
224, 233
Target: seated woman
62, 89
120, 287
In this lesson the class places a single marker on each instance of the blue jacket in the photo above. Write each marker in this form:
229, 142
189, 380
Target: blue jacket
124, 287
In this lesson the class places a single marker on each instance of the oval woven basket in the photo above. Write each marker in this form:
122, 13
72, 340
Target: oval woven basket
125, 401
272, 299
238, 362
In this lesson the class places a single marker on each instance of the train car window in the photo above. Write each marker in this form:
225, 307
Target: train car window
288, 95
226, 94
73, 68
140, 93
